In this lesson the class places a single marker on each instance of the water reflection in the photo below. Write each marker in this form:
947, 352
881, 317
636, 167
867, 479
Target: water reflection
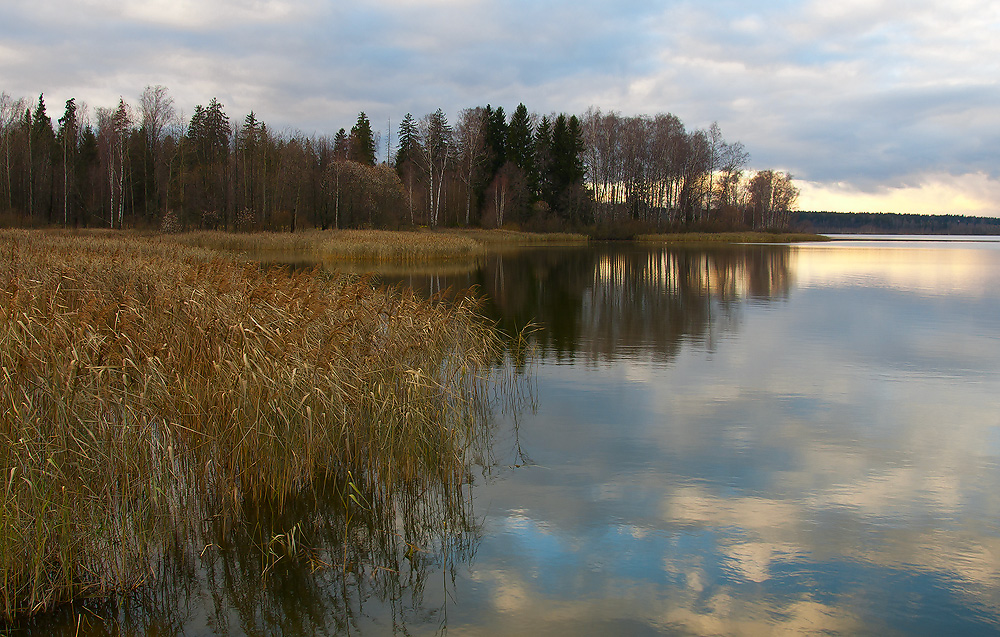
322, 565
610, 301
940, 268
827, 464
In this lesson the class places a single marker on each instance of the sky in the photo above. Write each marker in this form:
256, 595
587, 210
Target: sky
871, 105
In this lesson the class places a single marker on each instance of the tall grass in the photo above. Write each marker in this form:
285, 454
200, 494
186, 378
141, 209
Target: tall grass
499, 236
405, 248
372, 246
147, 387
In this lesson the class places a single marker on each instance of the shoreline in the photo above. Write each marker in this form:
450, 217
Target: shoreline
730, 237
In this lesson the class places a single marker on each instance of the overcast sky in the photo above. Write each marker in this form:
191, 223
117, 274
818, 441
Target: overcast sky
880, 105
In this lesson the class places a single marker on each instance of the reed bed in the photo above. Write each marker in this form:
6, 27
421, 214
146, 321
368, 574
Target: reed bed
369, 246
517, 237
731, 237
148, 387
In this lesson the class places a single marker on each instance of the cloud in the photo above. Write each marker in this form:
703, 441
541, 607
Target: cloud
180, 15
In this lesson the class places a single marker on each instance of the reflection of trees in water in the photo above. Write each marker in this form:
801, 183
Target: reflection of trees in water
659, 299
606, 301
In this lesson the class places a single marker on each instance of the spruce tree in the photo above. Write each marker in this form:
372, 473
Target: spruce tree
519, 138
89, 164
567, 164
520, 145
407, 156
408, 140
341, 145
67, 137
42, 147
543, 161
496, 139
362, 141
209, 133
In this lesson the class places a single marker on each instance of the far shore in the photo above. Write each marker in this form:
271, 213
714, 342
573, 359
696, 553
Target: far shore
731, 237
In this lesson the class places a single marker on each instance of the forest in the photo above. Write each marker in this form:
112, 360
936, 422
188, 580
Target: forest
145, 166
894, 223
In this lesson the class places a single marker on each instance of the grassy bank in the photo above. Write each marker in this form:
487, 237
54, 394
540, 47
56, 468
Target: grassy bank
731, 237
147, 386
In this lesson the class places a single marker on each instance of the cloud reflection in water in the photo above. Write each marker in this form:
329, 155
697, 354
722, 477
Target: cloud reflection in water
741, 447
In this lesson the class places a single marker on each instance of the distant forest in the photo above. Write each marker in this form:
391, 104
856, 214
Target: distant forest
893, 223
144, 166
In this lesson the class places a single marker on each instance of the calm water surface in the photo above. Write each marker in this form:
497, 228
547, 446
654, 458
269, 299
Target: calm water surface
749, 440
743, 440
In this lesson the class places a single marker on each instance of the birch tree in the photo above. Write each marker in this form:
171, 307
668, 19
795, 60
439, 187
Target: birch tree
733, 160
437, 152
470, 139
121, 121
156, 113
772, 199
11, 112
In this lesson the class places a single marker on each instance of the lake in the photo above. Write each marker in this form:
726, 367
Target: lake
734, 440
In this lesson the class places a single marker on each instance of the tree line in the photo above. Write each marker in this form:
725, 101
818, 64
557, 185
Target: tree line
145, 165
894, 223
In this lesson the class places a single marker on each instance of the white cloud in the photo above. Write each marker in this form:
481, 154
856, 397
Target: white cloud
204, 14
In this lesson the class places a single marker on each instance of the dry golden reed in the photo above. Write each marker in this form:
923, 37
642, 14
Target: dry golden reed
145, 385
371, 246
374, 246
500, 236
